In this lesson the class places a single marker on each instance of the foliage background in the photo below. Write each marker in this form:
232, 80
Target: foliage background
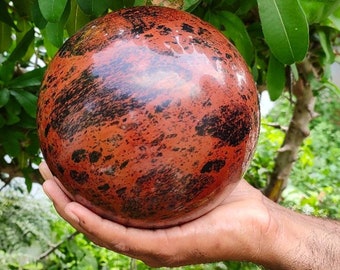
298, 49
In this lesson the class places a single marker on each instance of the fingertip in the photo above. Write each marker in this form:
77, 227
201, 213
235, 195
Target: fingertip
48, 187
45, 171
55, 192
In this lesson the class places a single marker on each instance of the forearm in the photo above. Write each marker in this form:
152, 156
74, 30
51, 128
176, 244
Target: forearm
301, 241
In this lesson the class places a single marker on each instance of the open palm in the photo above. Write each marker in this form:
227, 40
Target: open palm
221, 234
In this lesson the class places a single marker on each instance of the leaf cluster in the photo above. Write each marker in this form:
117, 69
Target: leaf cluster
314, 184
274, 36
25, 224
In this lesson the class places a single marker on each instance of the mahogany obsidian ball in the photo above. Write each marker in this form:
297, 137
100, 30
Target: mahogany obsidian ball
148, 116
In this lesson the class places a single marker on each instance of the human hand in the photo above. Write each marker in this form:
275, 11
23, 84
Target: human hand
234, 230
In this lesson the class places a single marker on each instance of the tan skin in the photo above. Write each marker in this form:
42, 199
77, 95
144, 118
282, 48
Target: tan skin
246, 226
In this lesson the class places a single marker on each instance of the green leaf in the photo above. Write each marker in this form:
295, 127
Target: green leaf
6, 71
140, 2
332, 86
285, 29
51, 50
55, 33
190, 5
294, 71
22, 47
245, 6
77, 19
93, 7
34, 145
2, 121
115, 5
38, 18
24, 8
318, 11
119, 4
276, 78
27, 100
5, 37
28, 79
52, 10
326, 46
4, 97
11, 146
28, 181
24, 25
335, 19
13, 109
233, 27
27, 122
225, 4
5, 16
11, 142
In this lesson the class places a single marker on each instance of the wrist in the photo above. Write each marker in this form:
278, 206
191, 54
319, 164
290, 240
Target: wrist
298, 241
278, 237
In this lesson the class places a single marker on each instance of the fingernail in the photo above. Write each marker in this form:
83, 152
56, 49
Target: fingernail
44, 175
44, 171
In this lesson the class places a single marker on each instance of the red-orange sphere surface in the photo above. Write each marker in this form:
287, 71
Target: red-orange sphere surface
147, 116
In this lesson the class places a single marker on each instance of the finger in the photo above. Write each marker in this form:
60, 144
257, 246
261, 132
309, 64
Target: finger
45, 171
126, 240
98, 230
161, 247
103, 232
56, 195
60, 201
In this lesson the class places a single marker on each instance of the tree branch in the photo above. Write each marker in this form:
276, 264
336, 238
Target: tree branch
298, 130
277, 126
56, 246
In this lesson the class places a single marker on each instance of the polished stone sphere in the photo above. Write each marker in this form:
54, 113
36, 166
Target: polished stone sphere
148, 116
